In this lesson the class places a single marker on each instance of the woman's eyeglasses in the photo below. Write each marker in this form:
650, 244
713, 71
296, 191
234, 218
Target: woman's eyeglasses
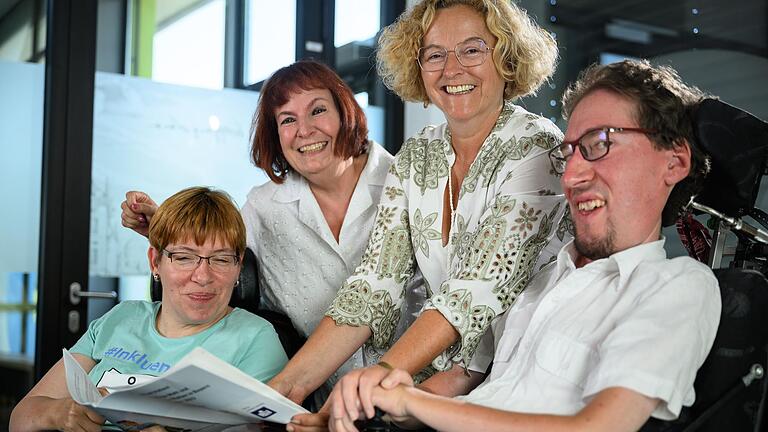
471, 52
190, 261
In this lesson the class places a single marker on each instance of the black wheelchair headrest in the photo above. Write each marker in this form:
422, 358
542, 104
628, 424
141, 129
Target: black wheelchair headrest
737, 143
246, 293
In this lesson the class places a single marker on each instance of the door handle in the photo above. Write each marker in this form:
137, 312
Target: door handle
76, 292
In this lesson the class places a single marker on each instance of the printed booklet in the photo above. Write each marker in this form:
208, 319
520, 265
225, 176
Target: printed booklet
200, 392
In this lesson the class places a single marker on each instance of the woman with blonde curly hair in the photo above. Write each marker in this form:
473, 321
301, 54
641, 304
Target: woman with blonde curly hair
472, 203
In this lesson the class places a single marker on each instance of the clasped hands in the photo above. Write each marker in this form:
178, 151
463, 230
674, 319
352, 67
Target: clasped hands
359, 392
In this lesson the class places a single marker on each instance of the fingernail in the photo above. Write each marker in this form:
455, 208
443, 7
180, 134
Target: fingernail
289, 427
134, 206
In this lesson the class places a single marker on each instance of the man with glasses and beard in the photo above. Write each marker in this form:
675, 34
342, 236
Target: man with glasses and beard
613, 331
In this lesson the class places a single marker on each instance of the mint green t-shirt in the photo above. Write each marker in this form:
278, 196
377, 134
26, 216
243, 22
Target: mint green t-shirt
127, 347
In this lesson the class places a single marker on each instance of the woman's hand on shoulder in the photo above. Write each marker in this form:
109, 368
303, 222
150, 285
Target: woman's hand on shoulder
138, 209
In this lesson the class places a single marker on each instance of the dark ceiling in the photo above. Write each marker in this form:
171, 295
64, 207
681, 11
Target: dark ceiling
646, 28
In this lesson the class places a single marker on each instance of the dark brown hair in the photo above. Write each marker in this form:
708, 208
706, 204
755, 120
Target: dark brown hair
663, 103
266, 153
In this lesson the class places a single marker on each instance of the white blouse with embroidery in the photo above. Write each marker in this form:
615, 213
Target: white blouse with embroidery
510, 207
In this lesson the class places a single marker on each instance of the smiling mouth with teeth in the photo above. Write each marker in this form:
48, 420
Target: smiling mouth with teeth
459, 89
591, 205
313, 147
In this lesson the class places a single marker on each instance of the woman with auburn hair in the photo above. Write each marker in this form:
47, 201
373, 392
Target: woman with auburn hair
309, 225
472, 203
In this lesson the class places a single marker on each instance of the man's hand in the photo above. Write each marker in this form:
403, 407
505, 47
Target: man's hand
138, 209
392, 401
73, 417
352, 394
388, 393
390, 396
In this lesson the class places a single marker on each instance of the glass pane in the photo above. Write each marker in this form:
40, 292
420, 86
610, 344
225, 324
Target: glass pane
182, 53
21, 138
159, 138
356, 21
270, 38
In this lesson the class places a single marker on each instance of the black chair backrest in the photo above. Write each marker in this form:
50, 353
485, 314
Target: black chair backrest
737, 143
741, 341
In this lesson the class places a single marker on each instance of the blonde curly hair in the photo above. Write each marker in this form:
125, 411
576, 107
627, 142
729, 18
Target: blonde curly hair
525, 54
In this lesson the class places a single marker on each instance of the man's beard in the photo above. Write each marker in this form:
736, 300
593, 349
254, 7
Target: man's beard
598, 248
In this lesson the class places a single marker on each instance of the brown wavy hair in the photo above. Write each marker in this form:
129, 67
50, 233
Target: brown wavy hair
524, 55
266, 153
662, 103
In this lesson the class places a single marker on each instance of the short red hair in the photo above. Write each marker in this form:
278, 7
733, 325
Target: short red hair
266, 152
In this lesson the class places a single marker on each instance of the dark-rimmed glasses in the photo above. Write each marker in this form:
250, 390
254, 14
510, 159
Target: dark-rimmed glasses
190, 261
593, 145
471, 52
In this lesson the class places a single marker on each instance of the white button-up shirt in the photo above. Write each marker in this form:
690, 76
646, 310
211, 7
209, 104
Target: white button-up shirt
635, 320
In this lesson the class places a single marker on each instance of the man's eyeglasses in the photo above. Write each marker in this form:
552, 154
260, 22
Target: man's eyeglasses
190, 261
471, 52
593, 145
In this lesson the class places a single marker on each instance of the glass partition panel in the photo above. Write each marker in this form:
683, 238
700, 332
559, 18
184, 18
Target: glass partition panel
160, 138
21, 145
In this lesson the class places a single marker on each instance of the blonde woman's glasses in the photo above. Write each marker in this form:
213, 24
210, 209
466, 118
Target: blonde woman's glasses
471, 52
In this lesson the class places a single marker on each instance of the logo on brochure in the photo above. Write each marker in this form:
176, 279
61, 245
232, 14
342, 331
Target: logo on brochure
263, 412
